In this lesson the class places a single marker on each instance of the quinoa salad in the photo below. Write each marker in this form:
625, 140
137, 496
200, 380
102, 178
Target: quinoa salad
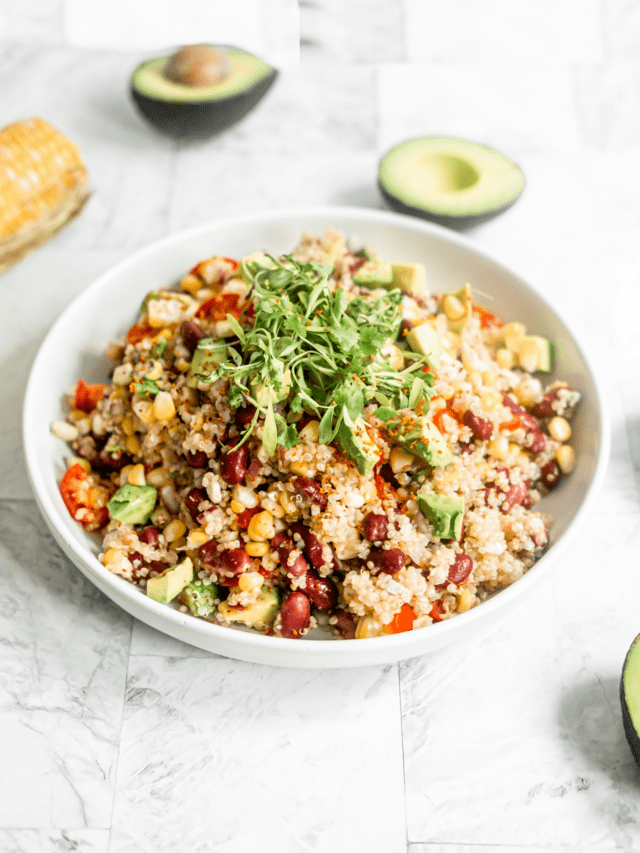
319, 440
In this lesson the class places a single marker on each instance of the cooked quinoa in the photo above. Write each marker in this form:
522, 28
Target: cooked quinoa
318, 440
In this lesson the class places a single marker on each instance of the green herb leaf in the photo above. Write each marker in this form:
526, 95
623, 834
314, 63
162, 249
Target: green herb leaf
146, 387
158, 349
289, 437
384, 413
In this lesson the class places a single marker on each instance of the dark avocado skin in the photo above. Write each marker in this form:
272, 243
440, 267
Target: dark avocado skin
204, 118
633, 737
456, 222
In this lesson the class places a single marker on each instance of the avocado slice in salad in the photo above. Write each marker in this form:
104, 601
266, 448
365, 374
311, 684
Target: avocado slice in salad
202, 599
133, 504
445, 512
417, 435
358, 445
261, 614
166, 586
374, 274
423, 339
208, 355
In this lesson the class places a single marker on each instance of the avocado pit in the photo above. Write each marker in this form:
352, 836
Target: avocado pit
200, 90
197, 65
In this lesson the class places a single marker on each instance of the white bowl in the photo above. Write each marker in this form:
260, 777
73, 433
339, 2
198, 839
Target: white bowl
75, 346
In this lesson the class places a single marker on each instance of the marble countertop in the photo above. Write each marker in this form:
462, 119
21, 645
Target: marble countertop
116, 738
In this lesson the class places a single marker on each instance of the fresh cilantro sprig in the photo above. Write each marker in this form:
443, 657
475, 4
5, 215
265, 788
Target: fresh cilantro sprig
313, 347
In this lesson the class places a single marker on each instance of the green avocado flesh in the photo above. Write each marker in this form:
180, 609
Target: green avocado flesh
630, 698
449, 180
246, 71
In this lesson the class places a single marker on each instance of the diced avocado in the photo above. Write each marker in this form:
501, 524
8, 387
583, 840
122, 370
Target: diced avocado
535, 353
260, 259
358, 445
458, 308
208, 355
418, 435
410, 278
133, 504
166, 586
374, 274
201, 599
423, 339
264, 394
445, 512
261, 614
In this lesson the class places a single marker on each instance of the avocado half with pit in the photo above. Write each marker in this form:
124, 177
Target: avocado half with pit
200, 90
630, 697
451, 181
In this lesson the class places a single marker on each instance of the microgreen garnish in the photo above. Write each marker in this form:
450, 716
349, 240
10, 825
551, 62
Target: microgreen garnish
158, 349
146, 387
312, 347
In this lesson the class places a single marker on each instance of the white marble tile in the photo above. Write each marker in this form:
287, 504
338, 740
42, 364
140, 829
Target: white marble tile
61, 841
530, 109
35, 21
230, 756
607, 98
499, 31
63, 663
500, 848
147, 642
358, 31
34, 292
207, 190
156, 26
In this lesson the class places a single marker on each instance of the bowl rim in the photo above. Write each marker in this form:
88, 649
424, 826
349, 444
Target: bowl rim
398, 646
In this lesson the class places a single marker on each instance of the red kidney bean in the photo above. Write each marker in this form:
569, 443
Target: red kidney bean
311, 489
322, 591
375, 527
527, 503
386, 561
254, 468
535, 442
192, 501
114, 461
284, 547
142, 568
295, 615
192, 334
345, 622
197, 459
481, 428
550, 474
312, 547
460, 569
245, 415
386, 472
149, 536
529, 423
235, 560
209, 555
515, 495
545, 408
233, 463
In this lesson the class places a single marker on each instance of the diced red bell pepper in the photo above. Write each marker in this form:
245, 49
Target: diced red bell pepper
87, 397
402, 621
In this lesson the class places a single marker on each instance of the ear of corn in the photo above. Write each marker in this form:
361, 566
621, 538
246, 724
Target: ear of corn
43, 184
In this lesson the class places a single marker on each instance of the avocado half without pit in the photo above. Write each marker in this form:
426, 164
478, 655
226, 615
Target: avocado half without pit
630, 697
451, 181
200, 89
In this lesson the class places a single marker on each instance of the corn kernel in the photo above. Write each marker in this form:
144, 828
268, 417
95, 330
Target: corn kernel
504, 359
559, 429
157, 477
261, 526
163, 406
512, 334
133, 445
488, 378
566, 458
237, 507
136, 476
257, 549
250, 581
155, 372
127, 424
191, 284
112, 557
466, 599
300, 469
490, 399
499, 448
368, 627
144, 410
452, 307
437, 403
197, 537
174, 530
526, 392
400, 460
475, 378
528, 356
